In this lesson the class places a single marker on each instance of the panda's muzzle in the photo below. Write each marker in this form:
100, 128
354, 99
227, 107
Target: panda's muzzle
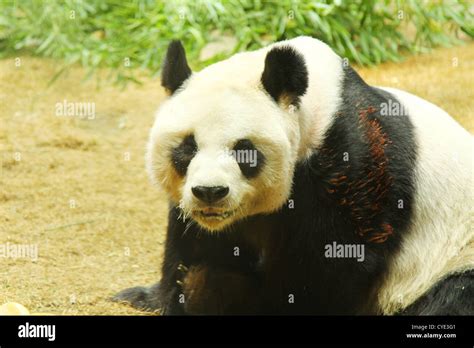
212, 214
210, 202
210, 194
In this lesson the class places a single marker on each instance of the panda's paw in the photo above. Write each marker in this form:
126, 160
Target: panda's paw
140, 297
181, 274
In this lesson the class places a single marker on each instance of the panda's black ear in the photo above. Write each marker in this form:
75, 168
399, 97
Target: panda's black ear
175, 67
285, 76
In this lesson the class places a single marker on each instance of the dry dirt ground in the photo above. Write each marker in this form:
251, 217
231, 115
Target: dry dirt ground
77, 188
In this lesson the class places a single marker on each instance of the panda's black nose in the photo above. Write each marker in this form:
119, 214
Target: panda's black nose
210, 194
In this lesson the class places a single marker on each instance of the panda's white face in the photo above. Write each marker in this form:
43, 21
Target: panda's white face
223, 153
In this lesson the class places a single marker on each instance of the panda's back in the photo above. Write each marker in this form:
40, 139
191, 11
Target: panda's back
441, 239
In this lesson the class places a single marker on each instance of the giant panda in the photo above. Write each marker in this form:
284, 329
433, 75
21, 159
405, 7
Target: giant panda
272, 157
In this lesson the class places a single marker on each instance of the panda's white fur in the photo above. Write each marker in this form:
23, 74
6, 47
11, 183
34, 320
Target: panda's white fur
229, 96
228, 103
441, 240
232, 120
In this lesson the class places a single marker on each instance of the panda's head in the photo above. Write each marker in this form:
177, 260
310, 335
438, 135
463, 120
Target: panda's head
225, 144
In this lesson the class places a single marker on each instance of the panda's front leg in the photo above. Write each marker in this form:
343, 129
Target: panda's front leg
200, 275
164, 297
212, 290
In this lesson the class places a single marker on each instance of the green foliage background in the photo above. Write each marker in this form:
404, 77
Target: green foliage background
103, 33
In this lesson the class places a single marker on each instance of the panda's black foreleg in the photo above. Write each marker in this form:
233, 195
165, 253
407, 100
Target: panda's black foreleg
201, 274
453, 295
162, 297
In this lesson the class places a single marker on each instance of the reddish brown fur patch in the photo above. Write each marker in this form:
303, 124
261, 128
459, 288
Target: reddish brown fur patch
365, 196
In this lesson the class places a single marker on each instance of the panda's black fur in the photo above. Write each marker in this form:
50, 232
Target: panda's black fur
281, 268
175, 67
454, 295
285, 73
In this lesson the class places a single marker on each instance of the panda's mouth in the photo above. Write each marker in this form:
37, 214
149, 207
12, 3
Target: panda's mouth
215, 215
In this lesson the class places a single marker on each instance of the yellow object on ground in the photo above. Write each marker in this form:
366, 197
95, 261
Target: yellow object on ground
13, 308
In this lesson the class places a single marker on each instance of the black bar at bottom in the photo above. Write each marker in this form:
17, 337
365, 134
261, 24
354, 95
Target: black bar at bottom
265, 329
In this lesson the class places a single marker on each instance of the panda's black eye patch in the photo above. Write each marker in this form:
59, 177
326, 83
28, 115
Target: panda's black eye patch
182, 155
249, 159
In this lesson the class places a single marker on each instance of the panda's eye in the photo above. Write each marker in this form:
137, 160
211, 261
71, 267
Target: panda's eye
249, 159
182, 155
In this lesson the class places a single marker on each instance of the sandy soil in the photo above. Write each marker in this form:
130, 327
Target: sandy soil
77, 189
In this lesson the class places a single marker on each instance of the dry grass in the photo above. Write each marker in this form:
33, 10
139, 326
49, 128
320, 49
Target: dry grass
113, 237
